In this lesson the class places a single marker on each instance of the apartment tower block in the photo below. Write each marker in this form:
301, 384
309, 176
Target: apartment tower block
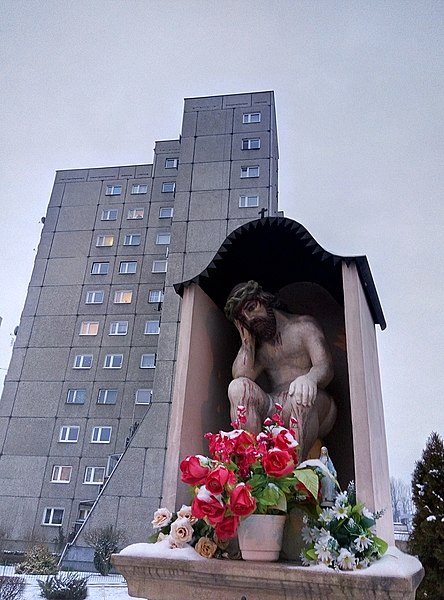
85, 409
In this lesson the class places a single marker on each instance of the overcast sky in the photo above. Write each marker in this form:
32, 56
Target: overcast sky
359, 96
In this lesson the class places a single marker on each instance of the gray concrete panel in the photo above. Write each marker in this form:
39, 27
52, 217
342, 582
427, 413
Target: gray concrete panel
153, 472
24, 332
136, 203
87, 341
4, 421
178, 237
68, 244
36, 431
81, 194
163, 379
127, 172
121, 308
126, 479
183, 181
80, 374
263, 152
239, 126
265, 98
20, 513
210, 176
60, 300
186, 150
53, 331
196, 262
119, 239
136, 372
44, 246
189, 123
142, 306
144, 170
209, 148
205, 236
234, 100
180, 208
214, 122
137, 530
113, 341
38, 272
31, 301
121, 215
7, 401
111, 375
100, 280
16, 365
167, 341
48, 532
107, 173
171, 306
31, 396
141, 339
72, 175
68, 449
21, 475
76, 217
236, 181
175, 268
208, 205
65, 271
52, 216
56, 490
56, 195
203, 103
109, 507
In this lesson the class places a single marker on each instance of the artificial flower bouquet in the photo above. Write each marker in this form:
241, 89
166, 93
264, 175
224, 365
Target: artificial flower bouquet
342, 536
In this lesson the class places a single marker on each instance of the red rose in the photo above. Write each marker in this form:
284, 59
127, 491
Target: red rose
242, 502
207, 505
242, 439
286, 441
193, 471
218, 478
278, 463
227, 528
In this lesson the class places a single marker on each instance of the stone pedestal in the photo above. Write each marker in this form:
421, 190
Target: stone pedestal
395, 577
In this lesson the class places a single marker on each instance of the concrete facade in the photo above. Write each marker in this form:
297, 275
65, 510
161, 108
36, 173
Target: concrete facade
114, 242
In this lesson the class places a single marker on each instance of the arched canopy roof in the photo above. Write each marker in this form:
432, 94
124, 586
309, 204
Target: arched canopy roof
276, 251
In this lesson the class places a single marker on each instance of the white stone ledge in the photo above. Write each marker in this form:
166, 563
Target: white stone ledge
395, 577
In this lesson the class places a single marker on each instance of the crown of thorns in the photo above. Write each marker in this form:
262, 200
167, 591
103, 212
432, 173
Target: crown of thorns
241, 294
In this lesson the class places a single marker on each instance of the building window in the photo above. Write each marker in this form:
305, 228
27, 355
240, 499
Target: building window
171, 163
113, 361
118, 328
123, 297
163, 238
128, 267
61, 474
53, 516
159, 266
83, 513
251, 144
168, 186
250, 171
100, 268
166, 212
139, 188
254, 117
89, 328
248, 201
83, 361
69, 433
76, 396
95, 297
144, 396
113, 190
152, 327
132, 239
101, 435
109, 215
148, 361
94, 475
104, 240
107, 396
155, 296
136, 213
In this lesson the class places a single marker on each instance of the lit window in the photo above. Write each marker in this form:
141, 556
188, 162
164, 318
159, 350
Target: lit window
89, 328
109, 215
171, 163
83, 361
132, 239
248, 201
166, 212
113, 190
104, 240
95, 297
53, 516
76, 396
152, 327
250, 171
61, 474
254, 117
128, 267
168, 186
144, 396
100, 268
159, 266
113, 361
118, 328
136, 213
139, 188
123, 297
155, 296
101, 435
107, 396
69, 433
148, 361
163, 238
94, 475
251, 144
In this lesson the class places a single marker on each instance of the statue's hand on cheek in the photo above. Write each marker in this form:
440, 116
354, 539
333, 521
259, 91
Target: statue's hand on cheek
303, 389
246, 336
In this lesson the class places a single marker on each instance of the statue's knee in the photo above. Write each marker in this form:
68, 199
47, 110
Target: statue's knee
236, 389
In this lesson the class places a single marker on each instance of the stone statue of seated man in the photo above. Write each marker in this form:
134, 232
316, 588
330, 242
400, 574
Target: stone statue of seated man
292, 352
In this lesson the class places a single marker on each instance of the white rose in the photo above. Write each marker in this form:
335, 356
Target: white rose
185, 513
181, 532
162, 517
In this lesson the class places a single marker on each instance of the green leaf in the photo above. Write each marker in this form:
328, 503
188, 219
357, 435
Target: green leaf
381, 545
311, 554
309, 479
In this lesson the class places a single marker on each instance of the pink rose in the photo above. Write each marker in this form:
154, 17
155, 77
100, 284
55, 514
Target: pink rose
242, 503
278, 463
218, 478
206, 504
227, 528
194, 469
